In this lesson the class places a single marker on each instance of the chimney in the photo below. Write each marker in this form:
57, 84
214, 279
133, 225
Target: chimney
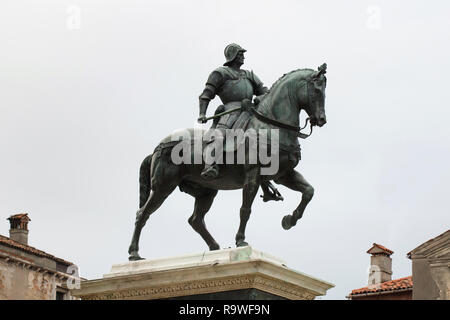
18, 230
380, 264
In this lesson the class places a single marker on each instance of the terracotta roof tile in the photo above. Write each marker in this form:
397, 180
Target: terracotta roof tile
19, 216
17, 245
388, 251
393, 285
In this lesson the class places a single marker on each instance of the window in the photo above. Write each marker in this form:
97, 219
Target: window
60, 295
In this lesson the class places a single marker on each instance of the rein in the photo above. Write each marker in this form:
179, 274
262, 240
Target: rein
277, 123
248, 106
286, 126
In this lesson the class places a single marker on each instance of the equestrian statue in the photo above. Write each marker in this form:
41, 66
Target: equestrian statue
275, 110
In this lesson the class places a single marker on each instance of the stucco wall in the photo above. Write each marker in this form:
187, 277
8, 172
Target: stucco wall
431, 269
18, 282
424, 286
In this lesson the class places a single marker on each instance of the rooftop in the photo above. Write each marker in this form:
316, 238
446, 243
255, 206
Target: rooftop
378, 248
388, 286
29, 249
434, 245
19, 216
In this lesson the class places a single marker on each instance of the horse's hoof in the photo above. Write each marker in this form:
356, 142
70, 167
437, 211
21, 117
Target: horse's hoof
286, 222
134, 256
241, 244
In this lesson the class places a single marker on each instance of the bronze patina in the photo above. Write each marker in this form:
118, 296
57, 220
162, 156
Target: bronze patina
277, 108
233, 85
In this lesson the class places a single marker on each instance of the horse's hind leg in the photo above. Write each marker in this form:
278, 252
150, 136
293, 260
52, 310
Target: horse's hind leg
203, 203
295, 181
155, 200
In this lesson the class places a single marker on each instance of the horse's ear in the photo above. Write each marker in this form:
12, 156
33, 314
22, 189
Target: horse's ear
322, 69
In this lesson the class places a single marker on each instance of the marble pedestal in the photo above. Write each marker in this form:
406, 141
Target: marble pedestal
229, 274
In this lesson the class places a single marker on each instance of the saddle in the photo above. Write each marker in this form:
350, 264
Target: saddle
237, 120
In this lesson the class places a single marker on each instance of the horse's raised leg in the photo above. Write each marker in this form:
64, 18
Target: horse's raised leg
295, 181
155, 200
251, 186
202, 205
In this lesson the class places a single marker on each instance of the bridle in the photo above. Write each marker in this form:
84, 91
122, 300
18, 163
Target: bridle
283, 125
251, 108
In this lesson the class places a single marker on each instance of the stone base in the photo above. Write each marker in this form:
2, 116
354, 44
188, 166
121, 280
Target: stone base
229, 274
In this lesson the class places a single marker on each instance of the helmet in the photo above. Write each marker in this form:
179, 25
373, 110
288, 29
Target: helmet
231, 52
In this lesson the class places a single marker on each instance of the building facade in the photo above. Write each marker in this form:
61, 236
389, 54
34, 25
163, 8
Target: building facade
431, 269
430, 279
27, 273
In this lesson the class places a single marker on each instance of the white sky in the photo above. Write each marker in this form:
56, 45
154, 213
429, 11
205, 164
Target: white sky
81, 107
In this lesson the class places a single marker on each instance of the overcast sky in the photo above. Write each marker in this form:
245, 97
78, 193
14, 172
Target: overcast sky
88, 88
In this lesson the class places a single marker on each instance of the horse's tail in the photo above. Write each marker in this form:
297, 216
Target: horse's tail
145, 182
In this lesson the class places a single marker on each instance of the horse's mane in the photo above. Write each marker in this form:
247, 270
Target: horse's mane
276, 83
280, 80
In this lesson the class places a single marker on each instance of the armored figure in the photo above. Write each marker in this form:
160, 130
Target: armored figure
296, 91
233, 85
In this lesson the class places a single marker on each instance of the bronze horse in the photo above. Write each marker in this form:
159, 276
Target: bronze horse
302, 89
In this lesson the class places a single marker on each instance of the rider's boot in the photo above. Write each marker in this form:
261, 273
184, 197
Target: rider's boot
270, 192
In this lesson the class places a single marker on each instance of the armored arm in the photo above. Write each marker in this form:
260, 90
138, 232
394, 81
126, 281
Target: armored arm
215, 81
258, 85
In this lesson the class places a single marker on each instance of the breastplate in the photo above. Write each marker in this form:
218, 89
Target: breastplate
236, 90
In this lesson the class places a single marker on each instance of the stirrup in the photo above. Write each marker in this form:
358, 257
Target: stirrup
275, 196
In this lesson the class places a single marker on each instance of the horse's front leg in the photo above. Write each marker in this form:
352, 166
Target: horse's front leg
251, 186
295, 181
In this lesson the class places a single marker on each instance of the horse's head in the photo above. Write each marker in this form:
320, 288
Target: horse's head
302, 89
312, 99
